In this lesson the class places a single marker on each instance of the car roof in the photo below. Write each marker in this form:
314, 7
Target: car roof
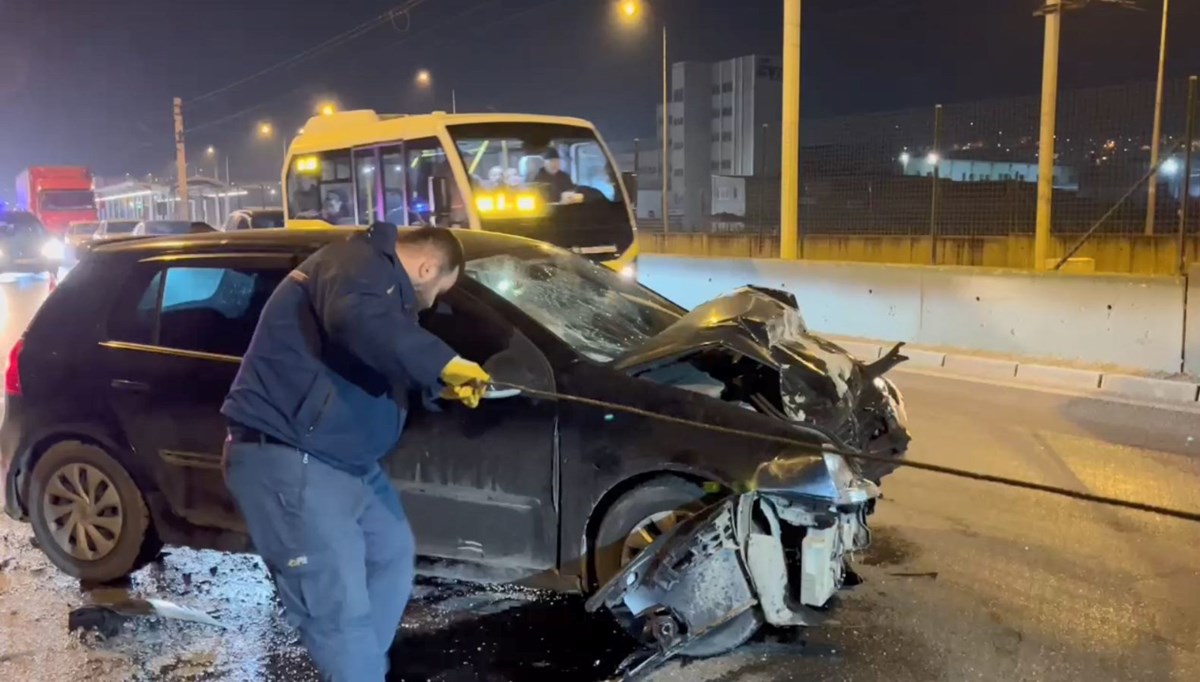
476, 244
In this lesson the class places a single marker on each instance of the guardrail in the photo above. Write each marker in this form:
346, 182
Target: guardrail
1128, 321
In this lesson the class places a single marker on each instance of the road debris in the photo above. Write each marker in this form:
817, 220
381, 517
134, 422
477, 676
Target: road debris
109, 619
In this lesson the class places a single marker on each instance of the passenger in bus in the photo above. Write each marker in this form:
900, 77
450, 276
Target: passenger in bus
306, 201
495, 178
335, 210
553, 177
512, 178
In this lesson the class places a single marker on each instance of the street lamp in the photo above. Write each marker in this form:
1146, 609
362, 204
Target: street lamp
629, 11
424, 80
265, 129
327, 109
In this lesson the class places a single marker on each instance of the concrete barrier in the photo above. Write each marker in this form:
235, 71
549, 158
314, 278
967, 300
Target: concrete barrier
1134, 322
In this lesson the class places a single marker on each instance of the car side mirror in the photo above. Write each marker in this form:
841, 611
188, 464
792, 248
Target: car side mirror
439, 199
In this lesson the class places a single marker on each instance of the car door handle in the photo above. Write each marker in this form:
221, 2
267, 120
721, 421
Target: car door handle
127, 385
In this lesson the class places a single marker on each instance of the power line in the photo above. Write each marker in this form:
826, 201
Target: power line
337, 40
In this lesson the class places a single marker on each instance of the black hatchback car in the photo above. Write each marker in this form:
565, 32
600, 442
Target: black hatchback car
111, 439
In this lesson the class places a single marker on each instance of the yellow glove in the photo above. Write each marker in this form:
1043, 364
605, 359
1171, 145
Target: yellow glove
465, 382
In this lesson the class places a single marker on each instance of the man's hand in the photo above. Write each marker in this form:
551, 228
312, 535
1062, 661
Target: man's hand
465, 382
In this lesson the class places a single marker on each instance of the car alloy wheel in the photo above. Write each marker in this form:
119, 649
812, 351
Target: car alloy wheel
649, 529
83, 511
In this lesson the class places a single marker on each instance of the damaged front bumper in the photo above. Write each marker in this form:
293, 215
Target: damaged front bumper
777, 554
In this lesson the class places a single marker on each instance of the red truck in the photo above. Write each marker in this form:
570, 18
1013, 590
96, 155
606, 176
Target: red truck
57, 195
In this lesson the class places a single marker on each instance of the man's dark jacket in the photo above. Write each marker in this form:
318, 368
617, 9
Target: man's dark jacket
335, 352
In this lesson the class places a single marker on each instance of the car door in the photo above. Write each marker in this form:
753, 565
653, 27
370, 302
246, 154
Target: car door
480, 484
174, 343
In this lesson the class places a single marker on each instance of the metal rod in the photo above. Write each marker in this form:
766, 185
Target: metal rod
182, 208
1155, 139
1045, 189
1186, 192
789, 165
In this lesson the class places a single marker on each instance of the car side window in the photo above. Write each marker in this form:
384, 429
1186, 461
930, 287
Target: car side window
471, 328
203, 309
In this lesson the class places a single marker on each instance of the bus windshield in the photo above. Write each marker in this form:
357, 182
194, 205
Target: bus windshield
568, 189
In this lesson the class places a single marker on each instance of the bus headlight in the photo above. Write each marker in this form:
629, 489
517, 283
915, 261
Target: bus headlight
526, 203
485, 204
54, 250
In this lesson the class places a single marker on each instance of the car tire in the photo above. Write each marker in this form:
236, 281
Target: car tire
667, 493
663, 494
74, 478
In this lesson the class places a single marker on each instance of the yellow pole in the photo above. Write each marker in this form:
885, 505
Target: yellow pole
1152, 191
1045, 190
789, 169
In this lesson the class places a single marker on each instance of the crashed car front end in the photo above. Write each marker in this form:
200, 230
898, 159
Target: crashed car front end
776, 554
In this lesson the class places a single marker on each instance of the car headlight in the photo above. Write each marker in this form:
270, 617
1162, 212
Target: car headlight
629, 272
54, 250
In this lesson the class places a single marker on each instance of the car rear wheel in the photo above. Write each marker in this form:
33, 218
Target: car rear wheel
88, 515
635, 520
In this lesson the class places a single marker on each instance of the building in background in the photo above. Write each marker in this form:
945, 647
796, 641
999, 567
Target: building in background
724, 121
210, 200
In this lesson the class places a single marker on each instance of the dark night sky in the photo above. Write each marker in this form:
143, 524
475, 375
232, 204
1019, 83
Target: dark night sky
90, 82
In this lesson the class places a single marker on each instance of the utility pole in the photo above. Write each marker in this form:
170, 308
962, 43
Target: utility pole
1152, 191
182, 209
665, 165
789, 167
1053, 12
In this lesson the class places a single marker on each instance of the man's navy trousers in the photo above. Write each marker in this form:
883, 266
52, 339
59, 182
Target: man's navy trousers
340, 548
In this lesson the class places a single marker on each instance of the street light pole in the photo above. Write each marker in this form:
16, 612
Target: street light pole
1155, 143
1045, 191
789, 169
665, 166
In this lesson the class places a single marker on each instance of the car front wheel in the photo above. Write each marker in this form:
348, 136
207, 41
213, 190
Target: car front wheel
88, 515
638, 518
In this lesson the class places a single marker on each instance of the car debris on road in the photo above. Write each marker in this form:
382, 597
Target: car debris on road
108, 619
775, 554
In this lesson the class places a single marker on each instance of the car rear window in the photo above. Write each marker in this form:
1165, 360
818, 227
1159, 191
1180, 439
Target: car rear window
203, 309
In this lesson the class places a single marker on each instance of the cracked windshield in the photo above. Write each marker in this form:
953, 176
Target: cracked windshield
591, 308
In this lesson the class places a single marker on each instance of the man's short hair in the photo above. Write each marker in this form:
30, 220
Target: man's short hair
439, 239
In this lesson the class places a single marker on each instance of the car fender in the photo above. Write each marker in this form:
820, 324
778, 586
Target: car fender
629, 480
47, 436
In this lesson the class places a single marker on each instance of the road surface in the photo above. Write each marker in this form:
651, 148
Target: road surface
965, 580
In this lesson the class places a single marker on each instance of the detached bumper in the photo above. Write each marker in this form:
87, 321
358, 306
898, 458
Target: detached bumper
781, 550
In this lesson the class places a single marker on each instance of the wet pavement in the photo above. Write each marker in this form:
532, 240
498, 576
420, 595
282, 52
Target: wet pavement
964, 581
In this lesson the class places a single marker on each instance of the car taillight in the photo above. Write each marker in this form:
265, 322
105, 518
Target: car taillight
12, 373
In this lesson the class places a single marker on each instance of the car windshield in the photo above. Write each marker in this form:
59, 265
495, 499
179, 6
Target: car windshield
591, 308
119, 226
68, 200
267, 220
168, 227
550, 182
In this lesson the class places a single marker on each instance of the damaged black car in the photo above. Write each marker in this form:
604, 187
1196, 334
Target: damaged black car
111, 438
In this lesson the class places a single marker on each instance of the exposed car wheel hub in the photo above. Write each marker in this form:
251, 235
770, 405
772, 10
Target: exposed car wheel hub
647, 531
83, 511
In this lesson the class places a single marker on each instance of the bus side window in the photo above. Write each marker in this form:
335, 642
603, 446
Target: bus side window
320, 187
395, 208
427, 159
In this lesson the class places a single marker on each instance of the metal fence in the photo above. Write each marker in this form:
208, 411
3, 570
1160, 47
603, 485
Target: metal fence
968, 171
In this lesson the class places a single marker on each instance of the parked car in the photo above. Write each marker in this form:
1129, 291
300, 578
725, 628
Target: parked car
159, 228
111, 439
81, 231
254, 219
115, 228
26, 246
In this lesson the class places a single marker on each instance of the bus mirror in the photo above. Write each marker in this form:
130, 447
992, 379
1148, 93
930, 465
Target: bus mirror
439, 200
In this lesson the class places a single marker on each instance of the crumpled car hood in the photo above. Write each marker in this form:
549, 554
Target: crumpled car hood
765, 325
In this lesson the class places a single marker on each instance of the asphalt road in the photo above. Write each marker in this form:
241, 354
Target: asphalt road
965, 580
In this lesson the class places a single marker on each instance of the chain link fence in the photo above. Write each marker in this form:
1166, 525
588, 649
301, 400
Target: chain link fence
955, 181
